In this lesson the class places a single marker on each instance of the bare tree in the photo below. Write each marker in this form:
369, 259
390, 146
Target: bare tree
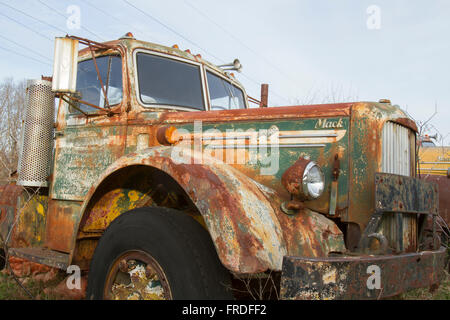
332, 93
12, 109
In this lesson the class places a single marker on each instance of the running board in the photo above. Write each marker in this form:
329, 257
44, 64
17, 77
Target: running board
45, 256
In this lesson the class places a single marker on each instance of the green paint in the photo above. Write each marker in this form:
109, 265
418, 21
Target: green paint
85, 154
287, 156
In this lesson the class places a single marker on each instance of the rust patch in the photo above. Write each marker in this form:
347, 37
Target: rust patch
407, 123
61, 221
444, 190
291, 112
293, 176
9, 195
349, 277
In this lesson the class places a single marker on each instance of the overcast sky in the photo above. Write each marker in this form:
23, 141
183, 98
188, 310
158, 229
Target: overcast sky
307, 50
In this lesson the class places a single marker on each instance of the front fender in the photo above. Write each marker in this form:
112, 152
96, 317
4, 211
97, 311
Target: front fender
240, 219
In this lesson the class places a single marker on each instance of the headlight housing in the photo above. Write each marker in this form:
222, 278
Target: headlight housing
304, 179
313, 181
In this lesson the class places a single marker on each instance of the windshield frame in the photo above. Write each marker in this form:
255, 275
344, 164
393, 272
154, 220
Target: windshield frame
115, 107
230, 81
148, 106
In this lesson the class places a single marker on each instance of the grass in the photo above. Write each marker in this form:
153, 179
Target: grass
10, 290
442, 293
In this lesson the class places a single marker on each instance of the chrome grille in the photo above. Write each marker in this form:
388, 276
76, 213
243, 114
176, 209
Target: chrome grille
396, 149
398, 143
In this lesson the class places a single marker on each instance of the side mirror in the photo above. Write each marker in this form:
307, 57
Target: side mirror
65, 65
235, 65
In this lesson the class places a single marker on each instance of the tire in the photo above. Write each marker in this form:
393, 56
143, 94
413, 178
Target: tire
181, 247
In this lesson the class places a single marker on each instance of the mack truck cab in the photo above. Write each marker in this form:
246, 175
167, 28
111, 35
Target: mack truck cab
157, 179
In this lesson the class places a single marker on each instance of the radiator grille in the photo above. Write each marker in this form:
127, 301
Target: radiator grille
396, 149
398, 143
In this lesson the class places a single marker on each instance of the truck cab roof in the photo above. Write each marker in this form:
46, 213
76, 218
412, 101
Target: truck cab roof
131, 44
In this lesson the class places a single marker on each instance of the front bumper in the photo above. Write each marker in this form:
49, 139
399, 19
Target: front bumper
360, 277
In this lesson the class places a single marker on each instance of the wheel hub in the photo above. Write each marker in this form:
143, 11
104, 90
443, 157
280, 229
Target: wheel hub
136, 275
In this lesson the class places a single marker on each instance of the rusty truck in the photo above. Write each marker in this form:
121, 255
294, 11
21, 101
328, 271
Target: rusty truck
434, 166
147, 167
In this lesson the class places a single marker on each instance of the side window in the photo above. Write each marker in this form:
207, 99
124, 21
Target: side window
89, 88
224, 95
164, 81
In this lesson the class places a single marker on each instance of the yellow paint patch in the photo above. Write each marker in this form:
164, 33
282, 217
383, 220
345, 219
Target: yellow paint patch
133, 196
40, 209
114, 210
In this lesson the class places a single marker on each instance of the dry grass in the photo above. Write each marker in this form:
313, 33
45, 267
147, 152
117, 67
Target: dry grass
442, 293
10, 290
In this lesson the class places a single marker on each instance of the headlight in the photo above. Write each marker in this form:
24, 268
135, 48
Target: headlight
313, 181
304, 179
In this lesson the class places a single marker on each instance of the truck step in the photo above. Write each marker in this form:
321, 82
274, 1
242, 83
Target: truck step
43, 256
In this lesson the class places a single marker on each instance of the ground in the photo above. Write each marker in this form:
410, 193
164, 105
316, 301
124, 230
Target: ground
10, 290
442, 293
38, 282
49, 284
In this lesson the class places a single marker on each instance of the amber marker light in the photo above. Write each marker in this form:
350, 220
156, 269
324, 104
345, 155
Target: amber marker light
168, 136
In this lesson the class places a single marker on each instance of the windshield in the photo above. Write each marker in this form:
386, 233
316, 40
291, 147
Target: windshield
164, 81
428, 144
89, 88
224, 95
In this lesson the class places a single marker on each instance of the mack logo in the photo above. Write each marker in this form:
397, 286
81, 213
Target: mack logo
327, 124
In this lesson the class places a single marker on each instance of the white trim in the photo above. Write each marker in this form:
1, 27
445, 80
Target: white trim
255, 146
168, 56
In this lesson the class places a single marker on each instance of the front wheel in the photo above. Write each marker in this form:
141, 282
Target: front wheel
156, 253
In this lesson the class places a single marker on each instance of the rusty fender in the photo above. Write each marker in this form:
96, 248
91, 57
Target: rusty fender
250, 234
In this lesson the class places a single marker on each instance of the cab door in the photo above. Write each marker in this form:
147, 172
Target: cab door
88, 140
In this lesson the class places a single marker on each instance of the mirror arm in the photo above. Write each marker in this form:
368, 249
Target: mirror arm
98, 73
108, 112
73, 105
253, 100
90, 43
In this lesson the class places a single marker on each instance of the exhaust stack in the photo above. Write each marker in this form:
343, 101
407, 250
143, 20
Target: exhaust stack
36, 145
